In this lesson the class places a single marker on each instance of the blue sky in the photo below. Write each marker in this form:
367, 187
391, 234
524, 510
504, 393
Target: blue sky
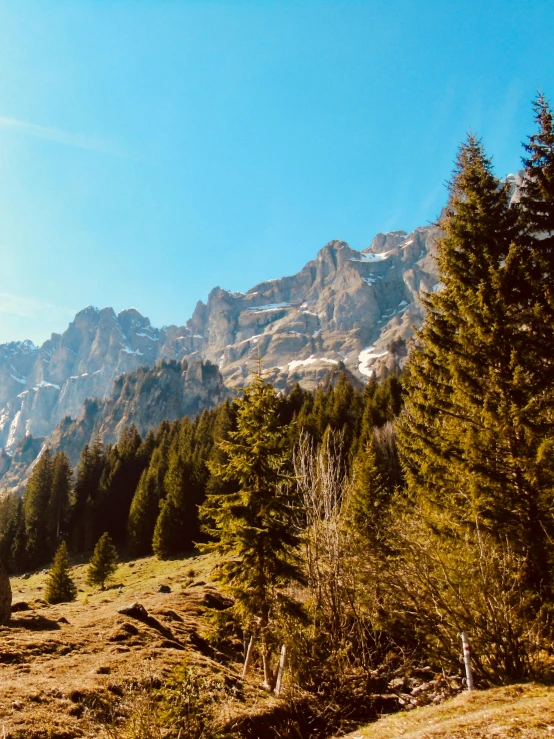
150, 150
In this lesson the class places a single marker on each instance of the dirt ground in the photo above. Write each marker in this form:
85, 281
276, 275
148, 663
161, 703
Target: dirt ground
61, 666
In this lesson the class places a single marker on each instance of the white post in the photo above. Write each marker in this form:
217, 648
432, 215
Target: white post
467, 660
248, 657
280, 672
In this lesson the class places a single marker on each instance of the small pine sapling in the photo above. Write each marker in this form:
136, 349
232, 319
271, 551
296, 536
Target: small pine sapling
103, 563
60, 587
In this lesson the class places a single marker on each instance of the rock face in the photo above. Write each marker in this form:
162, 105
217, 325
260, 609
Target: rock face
344, 309
349, 308
41, 386
5, 596
145, 397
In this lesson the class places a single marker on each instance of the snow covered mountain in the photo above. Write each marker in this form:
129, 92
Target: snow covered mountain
41, 385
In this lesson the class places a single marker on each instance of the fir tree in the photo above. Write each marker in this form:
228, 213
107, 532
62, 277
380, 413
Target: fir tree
145, 506
103, 563
123, 467
85, 495
58, 504
177, 525
36, 502
255, 539
469, 432
370, 495
60, 588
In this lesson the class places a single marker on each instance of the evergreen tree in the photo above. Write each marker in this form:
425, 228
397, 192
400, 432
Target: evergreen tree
103, 563
253, 527
123, 467
177, 525
58, 505
469, 431
145, 506
370, 495
60, 588
35, 502
85, 495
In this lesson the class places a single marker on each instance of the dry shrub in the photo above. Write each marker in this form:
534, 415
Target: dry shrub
335, 656
436, 586
189, 705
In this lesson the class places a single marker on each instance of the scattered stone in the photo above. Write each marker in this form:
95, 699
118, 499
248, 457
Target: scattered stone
171, 615
20, 606
63, 620
17, 705
136, 610
216, 601
102, 670
5, 596
169, 644
197, 584
123, 632
164, 589
131, 565
396, 683
26, 576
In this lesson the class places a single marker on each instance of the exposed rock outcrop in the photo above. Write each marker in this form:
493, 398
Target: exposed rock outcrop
344, 309
41, 386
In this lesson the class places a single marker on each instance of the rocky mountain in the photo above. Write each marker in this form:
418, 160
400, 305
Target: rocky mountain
343, 309
146, 396
41, 385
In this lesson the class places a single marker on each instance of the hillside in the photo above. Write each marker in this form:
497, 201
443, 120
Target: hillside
69, 670
146, 396
66, 668
524, 711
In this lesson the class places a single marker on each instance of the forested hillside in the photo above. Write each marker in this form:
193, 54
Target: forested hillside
146, 491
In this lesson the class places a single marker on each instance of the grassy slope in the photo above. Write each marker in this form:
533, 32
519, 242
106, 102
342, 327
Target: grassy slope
61, 664
523, 711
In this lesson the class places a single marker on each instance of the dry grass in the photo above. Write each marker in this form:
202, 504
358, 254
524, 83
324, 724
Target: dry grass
62, 667
522, 711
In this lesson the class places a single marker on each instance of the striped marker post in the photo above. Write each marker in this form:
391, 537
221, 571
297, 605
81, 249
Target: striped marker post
467, 660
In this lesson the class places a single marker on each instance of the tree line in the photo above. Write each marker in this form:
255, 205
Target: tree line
146, 493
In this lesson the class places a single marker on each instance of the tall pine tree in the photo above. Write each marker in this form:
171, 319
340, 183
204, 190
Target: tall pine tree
253, 527
36, 503
469, 432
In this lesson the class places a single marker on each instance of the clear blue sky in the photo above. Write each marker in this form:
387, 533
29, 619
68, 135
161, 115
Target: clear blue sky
150, 150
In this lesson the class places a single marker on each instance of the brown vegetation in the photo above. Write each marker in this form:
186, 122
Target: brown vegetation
66, 668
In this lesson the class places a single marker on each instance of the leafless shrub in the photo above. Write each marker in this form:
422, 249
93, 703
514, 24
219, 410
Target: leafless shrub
438, 586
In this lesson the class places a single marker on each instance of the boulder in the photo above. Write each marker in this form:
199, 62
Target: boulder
5, 596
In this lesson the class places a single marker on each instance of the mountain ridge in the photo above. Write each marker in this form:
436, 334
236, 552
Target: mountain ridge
344, 309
